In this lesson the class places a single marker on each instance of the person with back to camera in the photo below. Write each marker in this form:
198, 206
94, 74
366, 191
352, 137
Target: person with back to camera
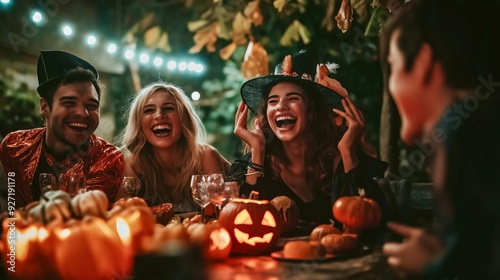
298, 147
443, 72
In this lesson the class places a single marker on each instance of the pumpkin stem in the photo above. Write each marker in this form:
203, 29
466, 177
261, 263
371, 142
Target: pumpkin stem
361, 192
254, 195
332, 222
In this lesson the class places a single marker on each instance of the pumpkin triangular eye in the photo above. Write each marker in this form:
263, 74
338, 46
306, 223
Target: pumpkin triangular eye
243, 218
268, 220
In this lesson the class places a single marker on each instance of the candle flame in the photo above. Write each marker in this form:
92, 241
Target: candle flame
123, 231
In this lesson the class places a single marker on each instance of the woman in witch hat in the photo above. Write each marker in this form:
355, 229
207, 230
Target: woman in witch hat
308, 141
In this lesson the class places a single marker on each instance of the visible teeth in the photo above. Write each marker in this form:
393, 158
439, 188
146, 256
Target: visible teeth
161, 126
282, 118
83, 125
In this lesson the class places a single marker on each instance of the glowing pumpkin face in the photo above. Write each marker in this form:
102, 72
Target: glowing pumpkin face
254, 225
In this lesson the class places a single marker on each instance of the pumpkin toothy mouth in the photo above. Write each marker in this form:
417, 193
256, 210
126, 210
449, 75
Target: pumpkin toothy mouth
243, 237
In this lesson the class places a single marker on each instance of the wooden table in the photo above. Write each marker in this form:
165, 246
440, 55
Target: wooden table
369, 265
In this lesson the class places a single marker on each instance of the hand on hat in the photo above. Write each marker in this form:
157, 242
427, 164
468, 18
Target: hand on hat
254, 138
355, 132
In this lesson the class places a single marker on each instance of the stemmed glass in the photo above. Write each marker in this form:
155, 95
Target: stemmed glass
217, 191
72, 183
131, 186
232, 190
47, 182
199, 193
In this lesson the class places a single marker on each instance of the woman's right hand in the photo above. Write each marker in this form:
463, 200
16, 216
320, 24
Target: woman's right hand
254, 138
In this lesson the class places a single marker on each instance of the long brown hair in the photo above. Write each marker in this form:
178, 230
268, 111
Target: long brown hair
322, 141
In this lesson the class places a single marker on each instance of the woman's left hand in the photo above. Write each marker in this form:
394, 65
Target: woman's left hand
355, 127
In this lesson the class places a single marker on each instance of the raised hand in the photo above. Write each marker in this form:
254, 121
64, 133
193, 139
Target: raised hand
254, 138
355, 126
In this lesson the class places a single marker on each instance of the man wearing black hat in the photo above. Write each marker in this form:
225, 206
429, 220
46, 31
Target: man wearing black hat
69, 103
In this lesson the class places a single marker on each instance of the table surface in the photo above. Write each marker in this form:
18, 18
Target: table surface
370, 264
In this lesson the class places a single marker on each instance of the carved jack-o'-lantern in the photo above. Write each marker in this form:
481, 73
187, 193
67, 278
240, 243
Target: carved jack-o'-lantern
254, 225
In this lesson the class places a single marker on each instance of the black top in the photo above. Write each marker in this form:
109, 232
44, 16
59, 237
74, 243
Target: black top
472, 184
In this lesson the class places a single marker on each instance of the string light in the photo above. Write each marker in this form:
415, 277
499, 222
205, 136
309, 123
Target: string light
37, 17
67, 30
195, 95
91, 40
112, 48
182, 66
129, 54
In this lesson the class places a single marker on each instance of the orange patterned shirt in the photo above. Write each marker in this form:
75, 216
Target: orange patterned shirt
100, 161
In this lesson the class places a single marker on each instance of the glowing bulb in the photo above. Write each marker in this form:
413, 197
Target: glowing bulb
129, 54
144, 58
199, 68
191, 66
67, 30
195, 95
158, 61
182, 66
171, 65
112, 48
91, 40
37, 17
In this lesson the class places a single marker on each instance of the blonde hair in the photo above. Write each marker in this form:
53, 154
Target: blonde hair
140, 152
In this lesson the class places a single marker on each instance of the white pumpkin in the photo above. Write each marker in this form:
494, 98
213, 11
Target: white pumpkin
53, 206
94, 203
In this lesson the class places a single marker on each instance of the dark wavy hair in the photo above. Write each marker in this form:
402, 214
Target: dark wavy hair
322, 141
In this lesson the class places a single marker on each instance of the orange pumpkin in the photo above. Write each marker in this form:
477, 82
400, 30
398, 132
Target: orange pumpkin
357, 212
214, 239
254, 225
318, 232
89, 249
289, 212
126, 202
300, 249
28, 252
140, 221
339, 243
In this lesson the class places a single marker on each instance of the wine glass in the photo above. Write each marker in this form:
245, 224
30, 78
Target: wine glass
232, 190
199, 193
47, 182
131, 186
72, 183
216, 191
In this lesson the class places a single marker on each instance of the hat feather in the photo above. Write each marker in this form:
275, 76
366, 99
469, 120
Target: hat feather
322, 72
287, 65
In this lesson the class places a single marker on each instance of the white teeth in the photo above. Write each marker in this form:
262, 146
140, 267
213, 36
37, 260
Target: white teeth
161, 126
83, 125
282, 118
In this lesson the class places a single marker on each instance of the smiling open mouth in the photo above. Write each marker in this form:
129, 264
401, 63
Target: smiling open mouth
78, 126
161, 130
285, 121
